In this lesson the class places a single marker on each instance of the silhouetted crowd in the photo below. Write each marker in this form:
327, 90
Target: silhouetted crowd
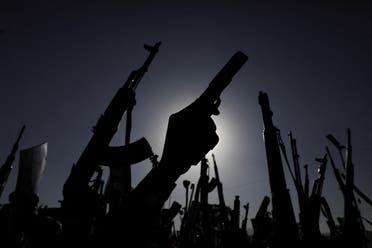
91, 215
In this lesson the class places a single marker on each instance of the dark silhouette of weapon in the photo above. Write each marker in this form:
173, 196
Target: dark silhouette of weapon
211, 96
80, 205
313, 205
339, 176
326, 211
119, 156
307, 182
353, 228
221, 198
7, 167
282, 209
318, 184
120, 180
339, 147
76, 185
192, 187
206, 186
262, 210
185, 127
195, 222
245, 220
219, 184
353, 225
295, 158
362, 195
236, 214
164, 227
170, 213
202, 108
336, 172
302, 198
97, 182
186, 184
261, 225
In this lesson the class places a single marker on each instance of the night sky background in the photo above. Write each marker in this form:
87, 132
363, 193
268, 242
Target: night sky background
62, 62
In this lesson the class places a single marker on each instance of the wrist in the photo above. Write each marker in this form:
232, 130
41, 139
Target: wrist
169, 169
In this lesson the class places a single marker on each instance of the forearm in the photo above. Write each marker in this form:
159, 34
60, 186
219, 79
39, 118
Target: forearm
154, 189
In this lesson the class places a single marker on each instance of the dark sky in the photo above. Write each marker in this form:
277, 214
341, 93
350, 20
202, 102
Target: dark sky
61, 63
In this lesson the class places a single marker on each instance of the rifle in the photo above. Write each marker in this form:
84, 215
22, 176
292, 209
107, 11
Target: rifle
204, 182
221, 197
302, 190
219, 184
296, 163
186, 184
326, 211
297, 174
260, 225
236, 213
353, 225
283, 214
313, 207
75, 189
263, 208
339, 147
192, 187
306, 183
7, 167
340, 177
318, 184
336, 172
245, 220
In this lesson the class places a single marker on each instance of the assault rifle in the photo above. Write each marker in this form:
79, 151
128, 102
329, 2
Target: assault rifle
7, 167
283, 215
76, 187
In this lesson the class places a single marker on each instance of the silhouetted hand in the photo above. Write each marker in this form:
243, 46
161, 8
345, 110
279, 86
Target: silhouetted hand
190, 135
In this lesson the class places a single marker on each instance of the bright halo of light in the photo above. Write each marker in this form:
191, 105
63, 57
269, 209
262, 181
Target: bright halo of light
227, 131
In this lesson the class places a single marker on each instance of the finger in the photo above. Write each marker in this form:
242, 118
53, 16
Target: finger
205, 144
202, 106
214, 139
206, 124
204, 148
